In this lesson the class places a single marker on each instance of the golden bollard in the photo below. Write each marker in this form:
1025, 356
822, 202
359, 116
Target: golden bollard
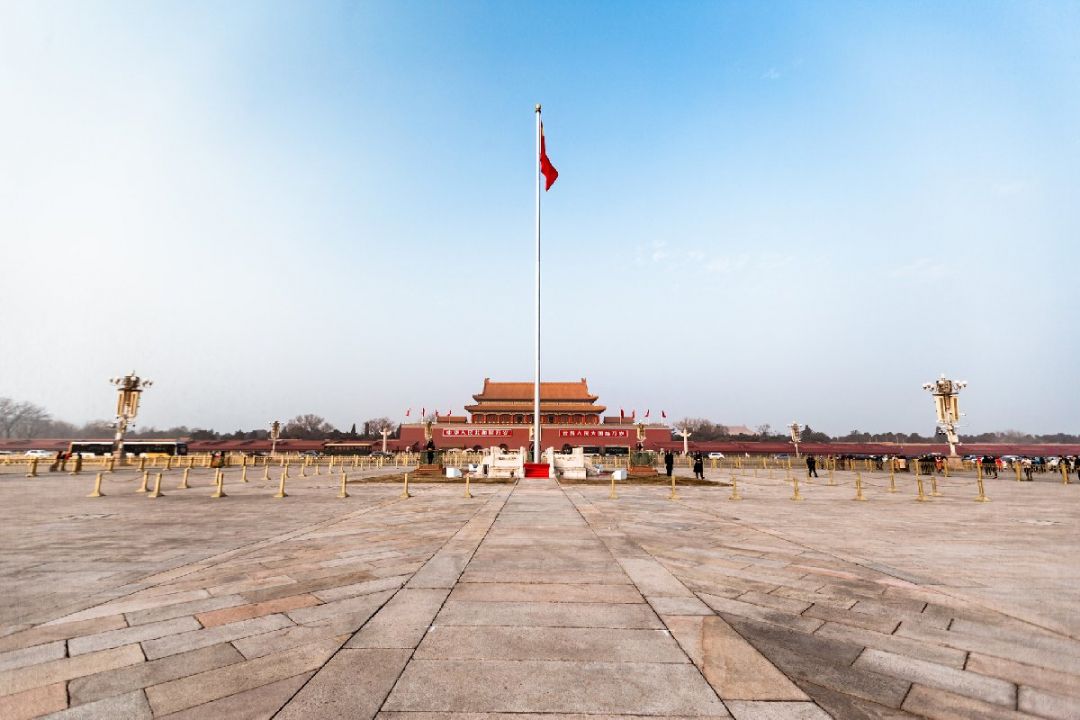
281, 485
674, 495
734, 489
303, 469
1064, 472
468, 492
978, 469
157, 487
982, 492
1016, 467
219, 490
112, 463
797, 497
243, 473
858, 487
945, 467
32, 471
922, 494
612, 495
933, 486
142, 462
97, 487
892, 479
145, 481
184, 480
266, 471
344, 479
831, 480
405, 492
78, 465
318, 467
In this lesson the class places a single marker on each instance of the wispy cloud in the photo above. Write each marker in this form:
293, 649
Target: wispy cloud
771, 74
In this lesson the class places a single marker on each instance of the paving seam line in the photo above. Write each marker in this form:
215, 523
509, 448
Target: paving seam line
494, 496
212, 561
643, 597
615, 523
869, 565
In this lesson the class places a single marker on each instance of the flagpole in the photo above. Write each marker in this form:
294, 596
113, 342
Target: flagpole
536, 369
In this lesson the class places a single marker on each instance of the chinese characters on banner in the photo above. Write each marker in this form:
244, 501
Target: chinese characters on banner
594, 433
488, 432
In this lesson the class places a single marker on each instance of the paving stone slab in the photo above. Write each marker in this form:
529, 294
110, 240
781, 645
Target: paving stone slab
127, 636
402, 622
546, 592
130, 706
14, 681
352, 685
757, 710
32, 655
47, 633
240, 677
256, 704
550, 643
622, 615
961, 682
174, 644
122, 680
553, 687
737, 671
937, 704
34, 702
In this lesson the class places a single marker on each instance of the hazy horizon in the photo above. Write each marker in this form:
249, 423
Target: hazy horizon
765, 212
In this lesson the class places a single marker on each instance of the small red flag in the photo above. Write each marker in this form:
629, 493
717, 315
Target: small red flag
546, 168
408, 412
647, 413
423, 413
622, 414
663, 414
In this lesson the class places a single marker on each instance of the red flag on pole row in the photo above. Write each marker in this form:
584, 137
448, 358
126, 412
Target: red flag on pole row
663, 414
647, 411
423, 413
408, 412
622, 414
546, 168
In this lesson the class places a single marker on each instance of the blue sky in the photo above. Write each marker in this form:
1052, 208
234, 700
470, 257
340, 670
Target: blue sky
766, 211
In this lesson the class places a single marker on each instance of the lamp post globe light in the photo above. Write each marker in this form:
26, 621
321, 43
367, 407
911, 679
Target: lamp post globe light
275, 433
129, 389
947, 404
796, 436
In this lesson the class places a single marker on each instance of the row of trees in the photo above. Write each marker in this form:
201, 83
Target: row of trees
25, 420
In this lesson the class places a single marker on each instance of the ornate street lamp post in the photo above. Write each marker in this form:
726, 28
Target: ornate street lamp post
796, 436
129, 388
275, 433
947, 403
685, 434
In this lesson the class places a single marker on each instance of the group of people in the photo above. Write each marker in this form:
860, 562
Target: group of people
699, 464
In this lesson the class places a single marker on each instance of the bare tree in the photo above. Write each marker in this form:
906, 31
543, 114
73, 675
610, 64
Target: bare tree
307, 427
22, 419
373, 428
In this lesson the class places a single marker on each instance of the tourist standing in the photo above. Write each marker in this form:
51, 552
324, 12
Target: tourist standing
811, 466
669, 462
699, 467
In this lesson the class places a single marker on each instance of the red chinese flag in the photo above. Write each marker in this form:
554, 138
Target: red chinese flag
622, 415
408, 412
647, 411
663, 414
546, 168
423, 413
